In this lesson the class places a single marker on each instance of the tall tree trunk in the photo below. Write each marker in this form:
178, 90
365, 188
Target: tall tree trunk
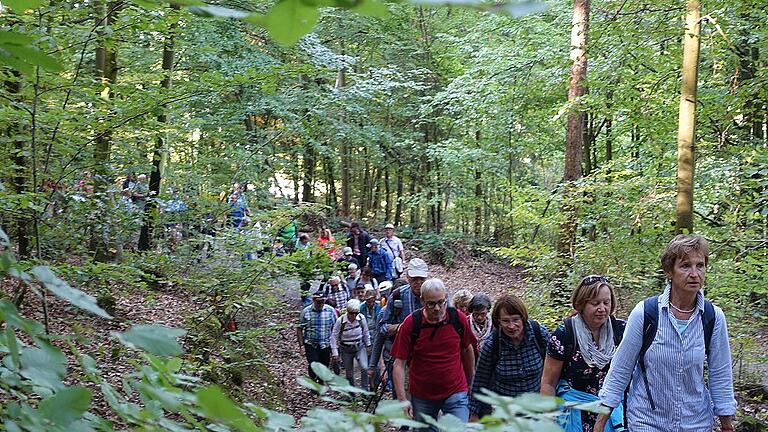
330, 181
478, 203
414, 207
150, 209
308, 163
366, 186
346, 153
20, 234
686, 135
587, 148
575, 131
609, 127
106, 71
387, 194
399, 197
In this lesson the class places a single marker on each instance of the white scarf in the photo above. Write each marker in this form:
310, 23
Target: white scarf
481, 333
593, 356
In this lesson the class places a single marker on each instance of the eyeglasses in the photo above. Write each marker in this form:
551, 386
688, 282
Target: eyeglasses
589, 280
435, 304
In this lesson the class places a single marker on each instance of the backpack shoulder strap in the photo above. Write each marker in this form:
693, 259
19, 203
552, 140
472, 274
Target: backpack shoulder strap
708, 321
495, 347
570, 333
650, 326
538, 338
453, 318
617, 336
341, 328
416, 316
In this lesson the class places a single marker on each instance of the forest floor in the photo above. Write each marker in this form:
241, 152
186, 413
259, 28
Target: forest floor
283, 362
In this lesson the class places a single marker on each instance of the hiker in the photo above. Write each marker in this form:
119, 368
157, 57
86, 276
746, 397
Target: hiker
357, 239
346, 259
303, 244
351, 341
359, 292
327, 243
366, 278
379, 261
353, 274
512, 358
336, 293
667, 390
461, 299
314, 332
580, 350
400, 303
370, 310
238, 204
392, 244
438, 346
480, 317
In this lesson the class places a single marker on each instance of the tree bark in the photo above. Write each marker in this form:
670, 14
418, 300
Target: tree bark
150, 209
308, 163
387, 194
332, 200
346, 153
20, 234
399, 198
106, 71
686, 135
575, 128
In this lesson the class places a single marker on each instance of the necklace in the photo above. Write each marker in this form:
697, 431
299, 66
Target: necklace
681, 310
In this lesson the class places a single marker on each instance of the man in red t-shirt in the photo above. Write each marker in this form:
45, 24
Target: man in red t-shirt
441, 362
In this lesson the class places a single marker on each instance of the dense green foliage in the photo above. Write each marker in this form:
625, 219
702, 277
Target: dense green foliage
448, 122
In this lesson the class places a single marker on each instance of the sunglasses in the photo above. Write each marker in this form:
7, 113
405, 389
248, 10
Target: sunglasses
589, 280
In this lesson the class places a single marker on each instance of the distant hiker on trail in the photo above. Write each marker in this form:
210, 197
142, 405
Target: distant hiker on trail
392, 244
366, 278
379, 261
336, 292
346, 259
370, 309
665, 363
303, 244
438, 346
580, 350
461, 299
238, 204
359, 292
327, 243
512, 358
480, 317
351, 341
314, 332
357, 241
353, 274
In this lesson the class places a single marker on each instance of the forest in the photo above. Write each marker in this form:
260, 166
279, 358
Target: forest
156, 156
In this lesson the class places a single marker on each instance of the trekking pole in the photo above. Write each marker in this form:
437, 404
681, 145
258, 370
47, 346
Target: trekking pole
380, 388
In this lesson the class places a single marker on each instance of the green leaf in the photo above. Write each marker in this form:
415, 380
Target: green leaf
66, 406
19, 6
218, 11
536, 403
289, 20
14, 38
216, 405
4, 240
44, 367
34, 56
322, 371
371, 8
154, 339
13, 345
62, 289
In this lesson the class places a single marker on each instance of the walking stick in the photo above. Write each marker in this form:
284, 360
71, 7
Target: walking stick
379, 388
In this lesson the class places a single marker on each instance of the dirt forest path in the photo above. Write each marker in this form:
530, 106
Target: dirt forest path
287, 364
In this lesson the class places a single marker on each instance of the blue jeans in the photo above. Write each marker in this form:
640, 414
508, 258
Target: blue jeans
456, 404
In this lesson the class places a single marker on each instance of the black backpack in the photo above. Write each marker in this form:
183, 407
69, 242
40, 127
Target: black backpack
538, 338
617, 336
453, 319
651, 325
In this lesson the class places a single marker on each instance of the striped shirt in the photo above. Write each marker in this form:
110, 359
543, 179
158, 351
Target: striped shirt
341, 297
354, 332
411, 302
517, 371
675, 369
317, 325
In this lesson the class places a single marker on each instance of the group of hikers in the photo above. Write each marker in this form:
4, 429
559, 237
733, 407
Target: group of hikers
438, 354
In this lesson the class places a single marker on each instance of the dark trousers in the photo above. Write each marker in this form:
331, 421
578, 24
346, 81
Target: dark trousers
380, 277
362, 260
316, 354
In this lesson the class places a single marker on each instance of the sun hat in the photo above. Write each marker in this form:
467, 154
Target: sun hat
417, 268
389, 226
347, 250
373, 242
